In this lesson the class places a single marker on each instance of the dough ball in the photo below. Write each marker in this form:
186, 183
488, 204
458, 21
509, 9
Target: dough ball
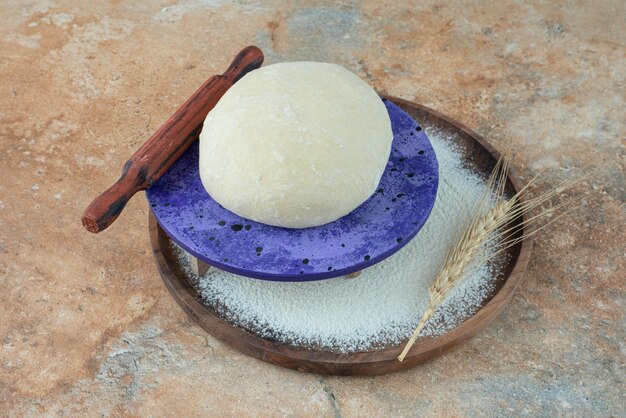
295, 144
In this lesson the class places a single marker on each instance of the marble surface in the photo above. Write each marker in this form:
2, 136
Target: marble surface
88, 329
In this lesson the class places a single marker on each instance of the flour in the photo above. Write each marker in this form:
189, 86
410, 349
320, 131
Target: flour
380, 307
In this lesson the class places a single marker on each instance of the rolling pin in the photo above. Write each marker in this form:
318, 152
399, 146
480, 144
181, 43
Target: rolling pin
158, 153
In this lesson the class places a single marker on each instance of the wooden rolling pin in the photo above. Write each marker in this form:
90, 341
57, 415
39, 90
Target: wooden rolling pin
167, 144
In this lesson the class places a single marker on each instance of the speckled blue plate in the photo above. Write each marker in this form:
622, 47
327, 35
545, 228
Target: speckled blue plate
372, 232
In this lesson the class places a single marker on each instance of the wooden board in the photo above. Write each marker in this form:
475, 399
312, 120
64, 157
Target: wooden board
482, 158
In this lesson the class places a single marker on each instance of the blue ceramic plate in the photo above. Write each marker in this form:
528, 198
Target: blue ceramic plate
372, 232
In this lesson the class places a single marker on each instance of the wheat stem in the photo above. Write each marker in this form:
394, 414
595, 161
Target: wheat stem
484, 238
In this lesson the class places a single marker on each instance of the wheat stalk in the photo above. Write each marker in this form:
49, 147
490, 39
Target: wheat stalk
488, 234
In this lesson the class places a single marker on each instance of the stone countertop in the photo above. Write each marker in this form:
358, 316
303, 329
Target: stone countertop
87, 327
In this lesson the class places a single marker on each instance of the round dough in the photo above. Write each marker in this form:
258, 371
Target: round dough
295, 144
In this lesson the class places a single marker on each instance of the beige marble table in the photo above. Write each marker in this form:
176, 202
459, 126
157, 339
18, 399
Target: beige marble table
87, 327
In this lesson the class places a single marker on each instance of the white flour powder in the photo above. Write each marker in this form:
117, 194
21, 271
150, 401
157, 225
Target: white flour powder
383, 305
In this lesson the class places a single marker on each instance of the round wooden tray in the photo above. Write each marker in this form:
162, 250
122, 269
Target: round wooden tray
482, 157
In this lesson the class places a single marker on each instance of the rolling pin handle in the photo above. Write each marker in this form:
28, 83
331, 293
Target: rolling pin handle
105, 208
